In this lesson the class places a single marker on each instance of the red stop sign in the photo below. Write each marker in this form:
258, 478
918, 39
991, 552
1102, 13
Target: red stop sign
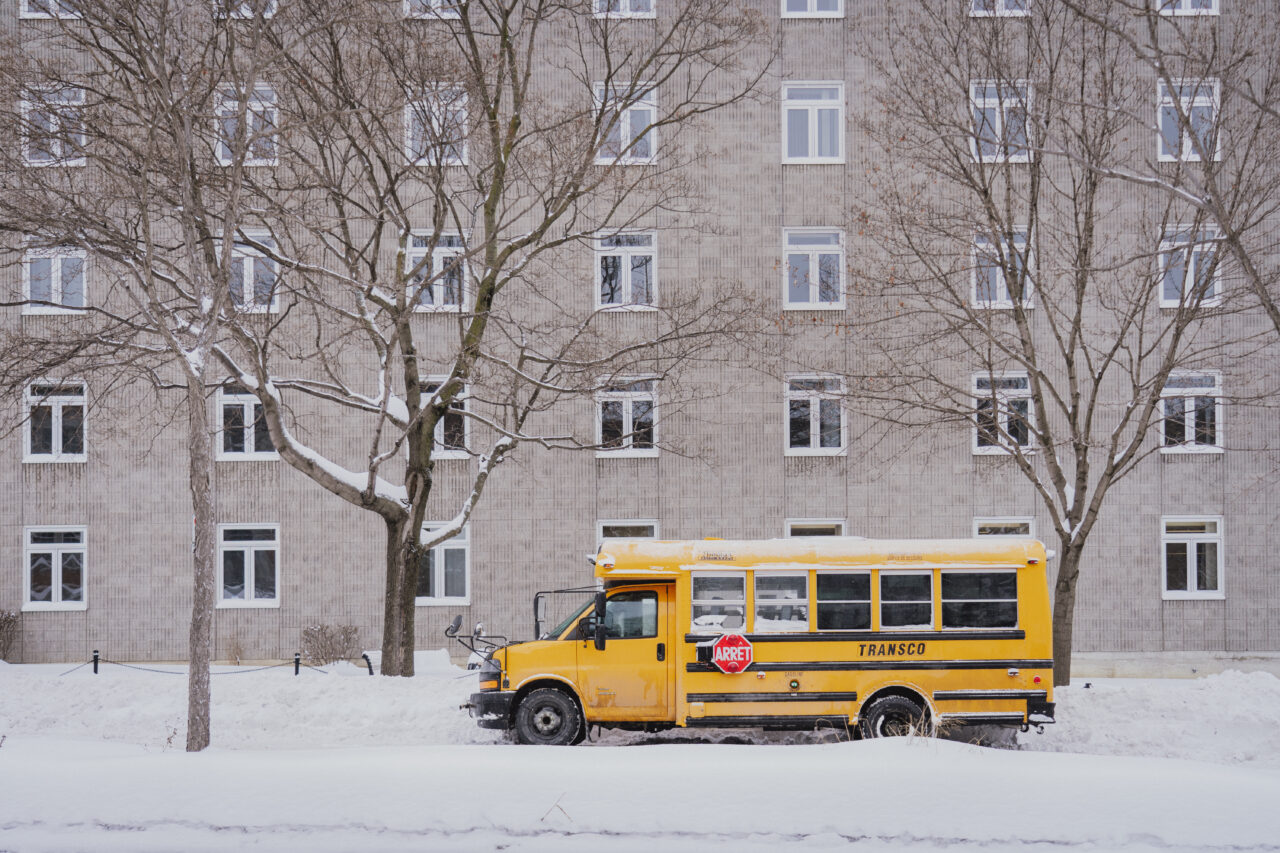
732, 653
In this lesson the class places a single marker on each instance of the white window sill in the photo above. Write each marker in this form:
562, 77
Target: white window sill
443, 602
1206, 303
634, 16
1192, 450
627, 454
59, 607
997, 159
258, 309
1013, 14
423, 163
437, 309
432, 16
626, 161
44, 164
1002, 451
54, 459
800, 16
1168, 595
1187, 13
450, 454
50, 311
813, 306
815, 451
249, 604
639, 307
813, 161
247, 457
1190, 158
1001, 306
44, 16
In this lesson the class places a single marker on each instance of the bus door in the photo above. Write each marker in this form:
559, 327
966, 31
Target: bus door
632, 678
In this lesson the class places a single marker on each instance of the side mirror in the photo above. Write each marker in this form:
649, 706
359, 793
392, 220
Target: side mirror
599, 636
540, 609
601, 598
453, 626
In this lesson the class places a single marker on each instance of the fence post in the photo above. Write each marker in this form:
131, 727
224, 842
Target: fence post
368, 662
297, 663
95, 661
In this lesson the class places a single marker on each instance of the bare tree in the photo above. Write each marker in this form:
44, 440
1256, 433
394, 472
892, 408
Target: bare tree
134, 134
1020, 289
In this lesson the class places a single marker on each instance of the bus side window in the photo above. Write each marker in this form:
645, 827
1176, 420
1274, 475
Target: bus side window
979, 599
844, 601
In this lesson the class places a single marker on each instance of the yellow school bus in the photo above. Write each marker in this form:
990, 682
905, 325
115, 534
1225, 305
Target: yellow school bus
876, 637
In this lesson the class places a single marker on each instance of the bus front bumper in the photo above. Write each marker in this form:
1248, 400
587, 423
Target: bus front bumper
491, 709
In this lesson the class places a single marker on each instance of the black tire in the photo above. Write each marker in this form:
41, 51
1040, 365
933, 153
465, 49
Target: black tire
892, 716
548, 717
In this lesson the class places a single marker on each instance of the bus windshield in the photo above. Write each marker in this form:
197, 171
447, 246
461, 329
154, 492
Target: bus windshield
575, 616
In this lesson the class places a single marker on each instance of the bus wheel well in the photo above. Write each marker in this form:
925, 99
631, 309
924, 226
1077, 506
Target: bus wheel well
526, 689
904, 692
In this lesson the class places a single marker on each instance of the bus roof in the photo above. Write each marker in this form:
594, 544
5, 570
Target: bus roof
647, 558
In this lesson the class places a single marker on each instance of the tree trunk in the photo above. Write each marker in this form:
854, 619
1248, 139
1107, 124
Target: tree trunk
399, 607
200, 441
1064, 607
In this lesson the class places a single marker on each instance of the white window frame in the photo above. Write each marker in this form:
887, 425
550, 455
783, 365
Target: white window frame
1205, 92
812, 396
626, 253
985, 248
1189, 395
1192, 569
694, 628
1196, 248
980, 521
1000, 9
1184, 7
436, 102
792, 524
248, 404
57, 402
460, 542
813, 106
248, 258
262, 114
1010, 94
59, 104
603, 523
429, 9
250, 547
600, 9
55, 9
755, 601
242, 10
433, 278
1002, 397
811, 10
644, 97
57, 550
458, 405
878, 601
620, 391
56, 255
813, 253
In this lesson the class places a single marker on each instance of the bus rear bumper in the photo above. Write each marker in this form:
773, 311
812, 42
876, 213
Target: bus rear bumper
1039, 712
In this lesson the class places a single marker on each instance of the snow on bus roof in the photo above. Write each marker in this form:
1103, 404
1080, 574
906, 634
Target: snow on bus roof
649, 557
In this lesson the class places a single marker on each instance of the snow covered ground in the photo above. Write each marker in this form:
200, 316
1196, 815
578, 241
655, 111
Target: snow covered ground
342, 761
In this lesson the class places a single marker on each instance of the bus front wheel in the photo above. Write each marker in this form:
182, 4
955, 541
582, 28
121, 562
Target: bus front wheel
548, 717
892, 716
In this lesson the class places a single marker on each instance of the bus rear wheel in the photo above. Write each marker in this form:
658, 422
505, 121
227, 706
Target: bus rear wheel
892, 716
548, 717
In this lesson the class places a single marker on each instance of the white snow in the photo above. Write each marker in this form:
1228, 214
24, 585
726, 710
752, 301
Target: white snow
343, 761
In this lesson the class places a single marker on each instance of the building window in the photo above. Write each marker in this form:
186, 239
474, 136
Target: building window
444, 571
815, 418
1002, 8
813, 8
814, 276
979, 599
430, 9
1192, 557
906, 600
1194, 102
53, 280
626, 120
1189, 269
1189, 7
245, 9
437, 265
256, 138
782, 602
55, 567
1000, 276
1002, 412
815, 527
451, 430
49, 9
844, 601
1000, 121
625, 418
1004, 527
813, 122
244, 426
623, 8
719, 603
55, 415
436, 127
1191, 405
625, 267
248, 565
53, 127
253, 276
626, 529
